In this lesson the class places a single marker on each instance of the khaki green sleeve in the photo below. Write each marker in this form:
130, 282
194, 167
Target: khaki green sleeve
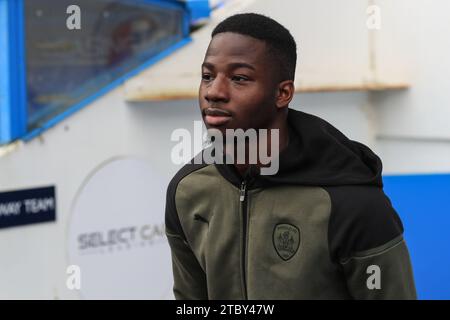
189, 278
384, 272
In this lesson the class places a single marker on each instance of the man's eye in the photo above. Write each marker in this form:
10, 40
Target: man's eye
239, 78
206, 77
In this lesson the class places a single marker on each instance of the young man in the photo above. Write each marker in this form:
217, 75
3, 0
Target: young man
320, 228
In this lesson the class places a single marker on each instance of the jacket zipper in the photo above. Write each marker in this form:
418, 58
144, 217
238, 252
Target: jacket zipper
243, 201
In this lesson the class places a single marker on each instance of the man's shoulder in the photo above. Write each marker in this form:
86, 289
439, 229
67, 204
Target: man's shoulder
182, 173
362, 217
365, 204
172, 220
359, 197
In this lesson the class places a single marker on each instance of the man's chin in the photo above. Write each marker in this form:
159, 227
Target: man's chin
221, 127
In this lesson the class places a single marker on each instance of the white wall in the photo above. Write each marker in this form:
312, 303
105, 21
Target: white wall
413, 125
350, 112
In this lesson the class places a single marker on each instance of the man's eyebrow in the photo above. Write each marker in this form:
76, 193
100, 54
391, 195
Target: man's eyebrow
232, 66
236, 65
208, 65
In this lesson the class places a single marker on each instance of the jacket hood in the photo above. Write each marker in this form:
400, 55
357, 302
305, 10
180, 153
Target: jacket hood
317, 154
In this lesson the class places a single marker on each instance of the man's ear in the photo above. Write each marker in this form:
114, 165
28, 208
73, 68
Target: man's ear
285, 93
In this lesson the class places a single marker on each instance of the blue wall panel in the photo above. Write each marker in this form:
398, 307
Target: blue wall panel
423, 203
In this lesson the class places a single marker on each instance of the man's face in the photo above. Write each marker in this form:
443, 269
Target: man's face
237, 89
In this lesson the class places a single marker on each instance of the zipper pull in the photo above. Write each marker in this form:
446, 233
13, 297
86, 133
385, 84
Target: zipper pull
242, 192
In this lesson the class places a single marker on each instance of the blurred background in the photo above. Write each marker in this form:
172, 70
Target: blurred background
92, 90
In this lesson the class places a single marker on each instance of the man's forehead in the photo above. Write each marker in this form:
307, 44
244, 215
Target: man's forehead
233, 44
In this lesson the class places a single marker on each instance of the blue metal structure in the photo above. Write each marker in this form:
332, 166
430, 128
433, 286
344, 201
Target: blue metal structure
15, 97
199, 9
12, 71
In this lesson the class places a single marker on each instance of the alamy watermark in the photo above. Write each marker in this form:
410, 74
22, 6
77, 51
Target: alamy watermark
73, 281
73, 22
374, 280
235, 146
373, 21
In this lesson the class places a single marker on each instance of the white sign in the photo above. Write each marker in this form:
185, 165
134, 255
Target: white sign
116, 233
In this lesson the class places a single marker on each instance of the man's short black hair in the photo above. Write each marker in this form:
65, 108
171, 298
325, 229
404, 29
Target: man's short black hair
280, 42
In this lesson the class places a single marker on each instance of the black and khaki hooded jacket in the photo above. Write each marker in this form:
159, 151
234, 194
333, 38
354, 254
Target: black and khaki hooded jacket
321, 228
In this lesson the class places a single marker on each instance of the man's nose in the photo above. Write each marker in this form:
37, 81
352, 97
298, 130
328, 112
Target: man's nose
217, 90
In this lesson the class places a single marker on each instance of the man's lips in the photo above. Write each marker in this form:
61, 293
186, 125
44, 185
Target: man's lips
216, 117
217, 120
